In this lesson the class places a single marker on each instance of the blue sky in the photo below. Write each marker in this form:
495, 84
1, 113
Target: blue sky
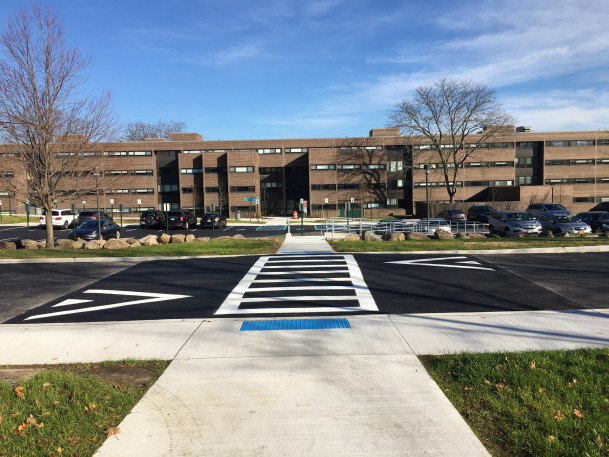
334, 68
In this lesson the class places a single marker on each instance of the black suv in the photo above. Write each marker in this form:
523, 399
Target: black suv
152, 218
182, 219
479, 213
602, 206
210, 220
84, 216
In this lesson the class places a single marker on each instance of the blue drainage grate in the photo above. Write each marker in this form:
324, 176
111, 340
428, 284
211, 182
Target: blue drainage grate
294, 324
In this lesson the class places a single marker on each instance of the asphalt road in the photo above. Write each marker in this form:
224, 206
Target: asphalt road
37, 232
283, 285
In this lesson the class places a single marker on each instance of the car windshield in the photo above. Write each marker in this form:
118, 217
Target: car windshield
597, 216
486, 209
565, 219
519, 217
89, 225
453, 211
555, 207
175, 213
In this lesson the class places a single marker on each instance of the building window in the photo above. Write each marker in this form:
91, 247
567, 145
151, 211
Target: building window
7, 174
524, 162
269, 151
602, 180
243, 189
396, 166
581, 162
602, 199
558, 144
582, 180
151, 191
323, 186
270, 185
211, 189
501, 164
349, 166
525, 180
374, 166
501, 183
557, 181
557, 162
583, 199
348, 186
241, 169
392, 202
161, 189
191, 171
476, 164
476, 183
139, 153
193, 152
215, 170
142, 172
602, 161
269, 170
502, 145
295, 150
117, 191
328, 166
525, 145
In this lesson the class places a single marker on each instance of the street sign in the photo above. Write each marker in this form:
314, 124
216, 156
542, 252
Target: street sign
257, 202
139, 202
326, 201
112, 201
250, 199
352, 200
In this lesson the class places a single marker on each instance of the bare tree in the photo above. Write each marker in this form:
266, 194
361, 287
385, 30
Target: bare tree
42, 114
454, 118
139, 131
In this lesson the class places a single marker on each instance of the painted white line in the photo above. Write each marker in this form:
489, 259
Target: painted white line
427, 262
273, 261
274, 289
152, 297
71, 301
299, 298
366, 300
303, 280
303, 272
300, 266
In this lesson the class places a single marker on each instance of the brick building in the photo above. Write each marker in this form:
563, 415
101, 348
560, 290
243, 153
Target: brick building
379, 174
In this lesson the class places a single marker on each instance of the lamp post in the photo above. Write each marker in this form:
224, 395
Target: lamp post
99, 234
552, 187
426, 167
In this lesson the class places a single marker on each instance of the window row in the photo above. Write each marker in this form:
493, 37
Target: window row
331, 166
577, 181
570, 143
128, 153
127, 172
578, 162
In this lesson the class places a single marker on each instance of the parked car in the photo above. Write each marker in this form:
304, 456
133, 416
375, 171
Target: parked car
563, 224
537, 209
388, 225
88, 230
182, 218
602, 206
429, 226
479, 213
452, 215
62, 218
153, 218
84, 216
597, 220
507, 222
210, 220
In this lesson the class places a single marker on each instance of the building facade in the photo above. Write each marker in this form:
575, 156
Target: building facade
376, 175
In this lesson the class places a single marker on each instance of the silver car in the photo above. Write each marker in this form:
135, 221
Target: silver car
517, 222
563, 224
429, 226
538, 209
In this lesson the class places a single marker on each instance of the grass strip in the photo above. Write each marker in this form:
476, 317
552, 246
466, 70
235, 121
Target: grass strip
213, 247
71, 409
465, 244
548, 403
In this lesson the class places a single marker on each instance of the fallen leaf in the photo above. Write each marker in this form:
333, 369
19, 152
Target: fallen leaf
112, 431
578, 414
487, 381
541, 389
21, 428
599, 439
551, 438
559, 415
19, 391
46, 384
468, 388
59, 449
0, 420
532, 365
92, 405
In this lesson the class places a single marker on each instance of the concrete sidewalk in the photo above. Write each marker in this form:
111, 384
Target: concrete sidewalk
321, 392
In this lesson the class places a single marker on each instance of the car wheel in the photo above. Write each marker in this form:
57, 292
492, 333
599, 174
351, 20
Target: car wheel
557, 232
490, 230
65, 225
507, 232
598, 230
149, 220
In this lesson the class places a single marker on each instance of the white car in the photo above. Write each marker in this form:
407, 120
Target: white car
62, 218
563, 224
429, 226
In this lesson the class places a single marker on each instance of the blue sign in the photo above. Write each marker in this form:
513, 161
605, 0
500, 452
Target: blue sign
250, 199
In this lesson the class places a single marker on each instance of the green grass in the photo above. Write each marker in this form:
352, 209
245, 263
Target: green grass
219, 247
553, 403
34, 220
465, 244
68, 410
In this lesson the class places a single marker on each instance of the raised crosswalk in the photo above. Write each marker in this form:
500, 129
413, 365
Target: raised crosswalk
300, 284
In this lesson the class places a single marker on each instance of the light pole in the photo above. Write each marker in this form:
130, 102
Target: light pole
552, 187
99, 234
426, 167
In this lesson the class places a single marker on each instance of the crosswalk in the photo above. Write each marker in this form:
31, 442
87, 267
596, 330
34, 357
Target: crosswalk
300, 284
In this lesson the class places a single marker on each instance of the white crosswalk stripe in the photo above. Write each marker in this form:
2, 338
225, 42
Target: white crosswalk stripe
300, 284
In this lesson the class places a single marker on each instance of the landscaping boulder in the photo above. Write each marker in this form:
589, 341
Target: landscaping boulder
416, 236
164, 239
371, 236
604, 235
177, 238
393, 236
8, 245
135, 245
149, 240
65, 243
114, 243
238, 236
476, 236
189, 238
29, 244
352, 237
461, 235
203, 239
443, 235
80, 244
547, 233
95, 244
220, 238
130, 241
